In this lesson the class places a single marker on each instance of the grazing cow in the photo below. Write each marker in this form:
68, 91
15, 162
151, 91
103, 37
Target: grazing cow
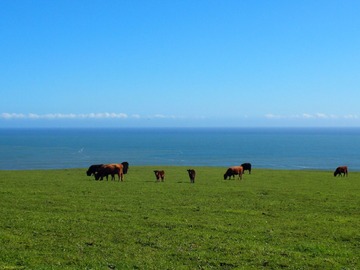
160, 175
110, 169
93, 169
342, 170
232, 171
247, 167
191, 175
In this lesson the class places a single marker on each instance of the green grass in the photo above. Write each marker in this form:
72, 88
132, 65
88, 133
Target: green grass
62, 219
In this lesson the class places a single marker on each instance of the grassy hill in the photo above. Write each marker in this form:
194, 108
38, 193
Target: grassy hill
63, 219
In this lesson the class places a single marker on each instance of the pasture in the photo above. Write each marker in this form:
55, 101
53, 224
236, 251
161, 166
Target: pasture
63, 219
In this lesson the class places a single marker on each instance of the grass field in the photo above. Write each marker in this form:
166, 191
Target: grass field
63, 219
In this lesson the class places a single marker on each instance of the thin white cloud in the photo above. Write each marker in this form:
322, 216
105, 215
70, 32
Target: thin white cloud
351, 116
322, 115
311, 116
12, 116
106, 115
136, 116
51, 116
307, 116
159, 116
272, 116
162, 116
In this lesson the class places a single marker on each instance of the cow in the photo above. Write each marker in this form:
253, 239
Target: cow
192, 174
93, 169
232, 171
110, 169
160, 175
125, 167
247, 167
342, 171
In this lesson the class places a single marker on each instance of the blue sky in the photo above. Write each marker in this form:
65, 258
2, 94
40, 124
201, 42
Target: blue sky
179, 63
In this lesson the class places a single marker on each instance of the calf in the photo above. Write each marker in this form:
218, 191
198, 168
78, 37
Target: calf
160, 175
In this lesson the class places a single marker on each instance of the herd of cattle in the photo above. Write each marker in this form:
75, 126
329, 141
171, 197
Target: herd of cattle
99, 171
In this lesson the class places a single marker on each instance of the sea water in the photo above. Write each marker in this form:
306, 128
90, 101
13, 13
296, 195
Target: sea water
275, 148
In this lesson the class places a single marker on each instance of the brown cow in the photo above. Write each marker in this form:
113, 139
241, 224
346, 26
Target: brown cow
110, 169
192, 174
232, 171
160, 175
341, 170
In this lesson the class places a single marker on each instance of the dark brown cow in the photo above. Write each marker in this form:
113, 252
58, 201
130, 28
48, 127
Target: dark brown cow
232, 171
192, 174
247, 167
110, 169
342, 171
93, 169
160, 175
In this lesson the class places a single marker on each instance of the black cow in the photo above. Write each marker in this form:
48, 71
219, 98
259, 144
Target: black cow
247, 167
125, 167
192, 174
93, 169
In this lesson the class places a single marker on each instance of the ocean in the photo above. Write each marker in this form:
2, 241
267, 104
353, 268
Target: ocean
273, 148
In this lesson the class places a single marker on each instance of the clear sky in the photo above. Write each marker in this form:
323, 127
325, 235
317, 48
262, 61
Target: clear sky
181, 63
